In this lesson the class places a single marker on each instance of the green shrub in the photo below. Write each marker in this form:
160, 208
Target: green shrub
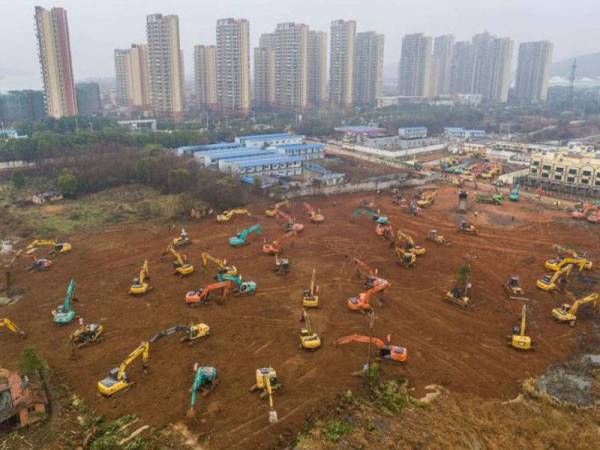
335, 429
31, 363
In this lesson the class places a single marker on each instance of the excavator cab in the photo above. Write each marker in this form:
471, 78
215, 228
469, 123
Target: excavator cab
458, 297
182, 239
61, 248
467, 228
309, 340
282, 266
393, 353
266, 377
513, 285
87, 334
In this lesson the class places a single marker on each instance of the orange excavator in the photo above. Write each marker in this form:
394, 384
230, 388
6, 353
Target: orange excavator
290, 222
315, 216
385, 230
274, 248
586, 210
200, 296
370, 274
361, 302
386, 350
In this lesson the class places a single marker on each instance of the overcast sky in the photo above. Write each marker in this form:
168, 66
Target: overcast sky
99, 26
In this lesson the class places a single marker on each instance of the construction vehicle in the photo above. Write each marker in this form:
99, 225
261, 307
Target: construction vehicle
309, 339
560, 261
86, 334
491, 199
205, 381
310, 298
462, 202
568, 312
228, 215
282, 265
39, 264
426, 199
384, 230
223, 268
514, 289
191, 333
315, 216
272, 212
64, 313
594, 217
584, 211
181, 266
433, 236
139, 285
409, 245
386, 350
362, 301
467, 228
551, 281
515, 194
518, 339
6, 322
266, 382
57, 247
370, 274
459, 294
182, 239
240, 239
117, 380
274, 247
290, 222
375, 215
242, 287
407, 258
201, 296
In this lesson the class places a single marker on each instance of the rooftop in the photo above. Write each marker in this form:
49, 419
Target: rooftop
250, 162
255, 137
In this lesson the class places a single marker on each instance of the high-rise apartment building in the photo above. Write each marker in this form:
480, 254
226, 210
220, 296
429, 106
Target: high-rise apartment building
233, 66
461, 72
165, 66
368, 67
205, 76
291, 67
317, 68
54, 49
443, 48
533, 71
415, 66
131, 70
341, 65
267, 40
122, 76
492, 58
264, 77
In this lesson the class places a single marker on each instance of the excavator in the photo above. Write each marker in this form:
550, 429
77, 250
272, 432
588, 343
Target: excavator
594, 217
266, 382
6, 322
274, 247
490, 199
467, 228
514, 289
282, 265
315, 216
272, 212
407, 259
515, 194
139, 284
206, 380
181, 266
560, 261
426, 199
551, 281
39, 264
310, 298
201, 296
223, 268
433, 236
64, 313
182, 239
386, 351
584, 212
117, 380
57, 247
459, 294
370, 274
382, 220
387, 231
568, 312
518, 339
191, 333
409, 245
290, 222
228, 215
243, 287
85, 335
240, 239
309, 339
361, 302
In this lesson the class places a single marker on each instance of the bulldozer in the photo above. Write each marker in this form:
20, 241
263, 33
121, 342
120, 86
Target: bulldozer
58, 248
315, 216
309, 339
85, 335
551, 281
228, 215
222, 266
518, 339
181, 266
117, 380
567, 313
266, 382
310, 298
433, 236
139, 285
387, 351
181, 240
467, 228
11, 326
240, 239
272, 212
362, 301
282, 265
206, 380
64, 314
191, 333
514, 289
560, 261
459, 294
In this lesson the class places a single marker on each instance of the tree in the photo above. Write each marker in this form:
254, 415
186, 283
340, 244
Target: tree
32, 364
68, 183
18, 180
179, 180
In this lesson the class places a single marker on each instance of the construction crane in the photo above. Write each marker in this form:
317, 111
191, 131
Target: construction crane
272, 212
240, 239
64, 313
560, 261
467, 228
228, 215
426, 199
85, 335
181, 266
139, 285
274, 247
409, 244
568, 312
315, 216
281, 266
57, 247
206, 380
309, 339
11, 326
433, 236
191, 333
459, 294
201, 296
375, 215
361, 302
221, 264
515, 194
310, 298
290, 222
117, 380
551, 281
386, 350
518, 339
182, 239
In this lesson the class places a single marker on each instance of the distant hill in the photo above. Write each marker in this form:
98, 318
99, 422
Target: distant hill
587, 66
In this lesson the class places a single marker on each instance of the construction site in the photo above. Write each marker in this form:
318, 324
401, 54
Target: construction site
287, 287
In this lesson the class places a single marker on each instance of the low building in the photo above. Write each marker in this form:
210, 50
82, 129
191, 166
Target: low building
272, 165
23, 400
306, 151
324, 176
139, 125
9, 134
462, 133
269, 140
412, 132
40, 198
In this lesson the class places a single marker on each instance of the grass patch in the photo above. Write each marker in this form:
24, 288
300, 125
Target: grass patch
335, 429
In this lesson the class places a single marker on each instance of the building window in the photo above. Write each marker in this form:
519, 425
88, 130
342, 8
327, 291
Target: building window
572, 171
560, 169
587, 173
546, 167
535, 163
545, 175
534, 170
585, 181
570, 180
597, 183
558, 177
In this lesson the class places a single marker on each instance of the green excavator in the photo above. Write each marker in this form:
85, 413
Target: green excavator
240, 239
64, 313
205, 380
382, 220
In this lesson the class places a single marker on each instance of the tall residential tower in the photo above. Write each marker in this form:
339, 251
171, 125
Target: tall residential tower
368, 67
205, 76
443, 48
131, 68
415, 66
291, 69
317, 68
341, 66
533, 71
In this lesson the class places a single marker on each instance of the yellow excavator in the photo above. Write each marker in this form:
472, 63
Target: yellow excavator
560, 261
406, 257
85, 335
228, 215
183, 239
181, 266
57, 247
310, 299
117, 380
266, 382
139, 285
272, 212
436, 238
6, 322
223, 268
551, 281
407, 242
309, 339
467, 228
426, 199
459, 294
518, 339
568, 312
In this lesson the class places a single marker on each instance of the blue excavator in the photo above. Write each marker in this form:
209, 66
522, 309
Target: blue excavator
515, 194
381, 220
64, 313
240, 239
243, 287
205, 380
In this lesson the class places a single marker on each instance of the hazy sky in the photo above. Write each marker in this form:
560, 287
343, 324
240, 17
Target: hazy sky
99, 26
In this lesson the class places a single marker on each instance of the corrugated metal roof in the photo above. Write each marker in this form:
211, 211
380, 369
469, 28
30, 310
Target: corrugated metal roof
255, 137
298, 146
250, 162
242, 151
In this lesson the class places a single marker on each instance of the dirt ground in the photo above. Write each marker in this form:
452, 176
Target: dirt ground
463, 350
